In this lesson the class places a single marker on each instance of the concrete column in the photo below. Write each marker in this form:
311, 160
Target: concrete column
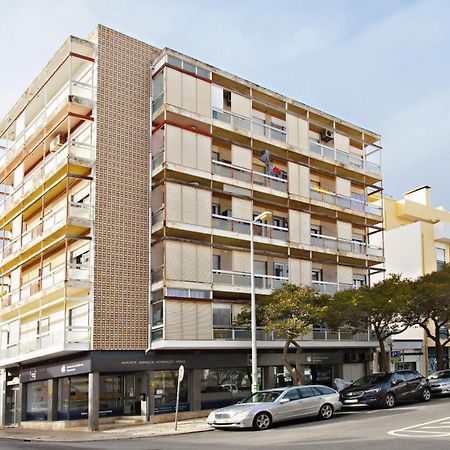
150, 396
22, 401
93, 401
269, 380
195, 389
52, 399
2, 397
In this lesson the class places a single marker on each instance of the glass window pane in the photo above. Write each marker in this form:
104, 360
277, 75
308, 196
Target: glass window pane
222, 316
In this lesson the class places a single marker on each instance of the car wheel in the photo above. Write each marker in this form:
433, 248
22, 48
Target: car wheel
326, 412
262, 421
389, 400
426, 395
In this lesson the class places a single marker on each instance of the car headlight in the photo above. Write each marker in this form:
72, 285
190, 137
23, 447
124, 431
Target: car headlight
210, 416
240, 415
372, 391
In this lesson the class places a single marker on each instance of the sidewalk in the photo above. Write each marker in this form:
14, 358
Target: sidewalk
106, 432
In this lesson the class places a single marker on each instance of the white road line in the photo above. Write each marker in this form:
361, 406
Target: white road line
404, 431
440, 426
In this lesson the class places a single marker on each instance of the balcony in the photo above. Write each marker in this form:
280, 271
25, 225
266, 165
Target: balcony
316, 334
247, 124
329, 287
82, 153
80, 336
358, 162
334, 243
243, 279
158, 216
39, 287
243, 226
77, 214
345, 202
73, 91
249, 176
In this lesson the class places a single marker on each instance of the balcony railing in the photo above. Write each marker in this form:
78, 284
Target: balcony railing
334, 243
45, 284
241, 174
243, 226
317, 334
49, 166
329, 287
158, 160
360, 162
72, 88
245, 123
71, 335
345, 202
158, 215
45, 227
244, 279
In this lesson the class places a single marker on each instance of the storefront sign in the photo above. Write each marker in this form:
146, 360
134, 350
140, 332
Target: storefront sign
55, 370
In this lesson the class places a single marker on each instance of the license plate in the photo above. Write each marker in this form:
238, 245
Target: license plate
351, 401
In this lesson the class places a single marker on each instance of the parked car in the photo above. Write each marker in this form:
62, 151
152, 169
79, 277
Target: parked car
261, 409
440, 382
386, 389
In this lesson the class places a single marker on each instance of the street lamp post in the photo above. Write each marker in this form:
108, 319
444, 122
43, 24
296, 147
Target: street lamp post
263, 216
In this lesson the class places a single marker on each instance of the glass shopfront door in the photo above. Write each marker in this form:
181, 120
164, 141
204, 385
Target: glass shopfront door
12, 406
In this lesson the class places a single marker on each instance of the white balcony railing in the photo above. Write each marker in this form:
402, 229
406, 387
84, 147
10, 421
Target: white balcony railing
71, 335
46, 226
243, 226
49, 166
243, 279
249, 176
245, 123
74, 88
45, 284
359, 162
335, 243
329, 287
345, 202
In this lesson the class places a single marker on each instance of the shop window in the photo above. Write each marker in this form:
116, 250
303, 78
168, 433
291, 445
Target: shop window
165, 391
37, 400
222, 387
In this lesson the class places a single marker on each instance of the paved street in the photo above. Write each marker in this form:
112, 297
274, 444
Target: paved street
412, 426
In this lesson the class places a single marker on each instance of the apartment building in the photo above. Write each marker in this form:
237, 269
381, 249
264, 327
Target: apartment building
417, 240
130, 176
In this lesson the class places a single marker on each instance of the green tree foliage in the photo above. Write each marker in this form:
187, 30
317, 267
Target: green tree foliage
384, 307
430, 308
289, 311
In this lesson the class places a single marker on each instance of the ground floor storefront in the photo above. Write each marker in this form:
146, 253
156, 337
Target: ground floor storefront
131, 383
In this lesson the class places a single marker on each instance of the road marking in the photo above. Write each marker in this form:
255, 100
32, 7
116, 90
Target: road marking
421, 429
407, 408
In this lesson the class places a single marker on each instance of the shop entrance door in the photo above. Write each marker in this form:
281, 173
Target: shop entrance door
131, 400
12, 406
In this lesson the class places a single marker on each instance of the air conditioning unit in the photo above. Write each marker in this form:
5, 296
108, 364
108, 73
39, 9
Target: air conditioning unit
56, 142
327, 135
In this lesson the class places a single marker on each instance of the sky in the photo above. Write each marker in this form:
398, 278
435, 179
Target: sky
381, 64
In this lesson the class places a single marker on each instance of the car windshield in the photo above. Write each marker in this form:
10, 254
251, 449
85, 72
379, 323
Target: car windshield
261, 397
372, 380
438, 375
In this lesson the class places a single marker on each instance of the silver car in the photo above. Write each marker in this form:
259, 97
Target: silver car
262, 408
440, 382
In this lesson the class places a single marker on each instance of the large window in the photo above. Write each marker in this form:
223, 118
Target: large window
221, 316
440, 258
165, 385
37, 400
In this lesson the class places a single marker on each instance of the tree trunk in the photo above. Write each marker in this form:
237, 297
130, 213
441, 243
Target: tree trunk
440, 363
384, 362
299, 373
292, 371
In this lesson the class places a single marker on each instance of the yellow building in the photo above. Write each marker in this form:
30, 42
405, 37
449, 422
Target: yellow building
417, 242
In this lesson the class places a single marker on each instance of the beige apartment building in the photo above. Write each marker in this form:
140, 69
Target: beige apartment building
130, 176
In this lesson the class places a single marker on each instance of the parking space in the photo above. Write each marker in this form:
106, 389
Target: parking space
432, 429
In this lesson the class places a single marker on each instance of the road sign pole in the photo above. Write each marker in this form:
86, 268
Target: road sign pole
180, 379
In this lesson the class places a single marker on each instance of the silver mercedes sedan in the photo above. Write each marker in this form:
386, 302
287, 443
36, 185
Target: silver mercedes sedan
262, 408
440, 382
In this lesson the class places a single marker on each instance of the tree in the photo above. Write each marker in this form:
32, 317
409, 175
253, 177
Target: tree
289, 311
384, 307
431, 308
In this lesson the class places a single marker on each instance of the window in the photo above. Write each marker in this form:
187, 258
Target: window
316, 229
317, 275
306, 392
79, 316
157, 313
359, 281
215, 156
186, 293
314, 185
221, 316
216, 209
323, 390
43, 326
82, 196
80, 257
280, 222
409, 376
226, 99
398, 378
440, 258
216, 262
293, 394
280, 270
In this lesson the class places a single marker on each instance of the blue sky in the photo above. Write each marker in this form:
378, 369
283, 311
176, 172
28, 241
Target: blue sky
384, 65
